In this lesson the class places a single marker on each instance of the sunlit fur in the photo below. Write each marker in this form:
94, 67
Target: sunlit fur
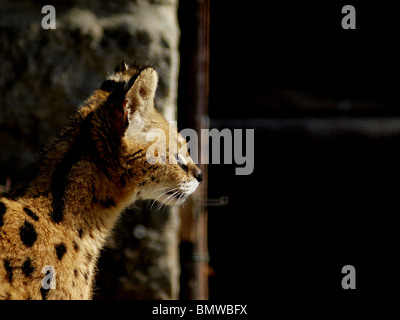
82, 181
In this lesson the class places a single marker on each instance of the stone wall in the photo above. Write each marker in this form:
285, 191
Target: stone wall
45, 74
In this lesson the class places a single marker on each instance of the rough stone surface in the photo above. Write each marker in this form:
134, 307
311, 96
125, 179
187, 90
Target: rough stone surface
46, 74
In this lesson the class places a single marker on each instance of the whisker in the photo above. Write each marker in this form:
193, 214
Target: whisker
152, 201
165, 192
161, 202
174, 196
181, 200
160, 189
155, 200
170, 195
170, 198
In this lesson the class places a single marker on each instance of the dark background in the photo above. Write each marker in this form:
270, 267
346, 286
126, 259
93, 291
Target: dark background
324, 191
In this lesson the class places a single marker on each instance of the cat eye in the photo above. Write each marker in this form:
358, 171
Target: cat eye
181, 161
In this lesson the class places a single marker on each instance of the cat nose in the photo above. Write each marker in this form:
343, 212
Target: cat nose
198, 175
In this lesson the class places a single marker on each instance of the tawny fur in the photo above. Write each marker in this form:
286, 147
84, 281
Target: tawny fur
84, 179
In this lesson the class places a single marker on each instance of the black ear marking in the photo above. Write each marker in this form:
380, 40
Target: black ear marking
122, 67
132, 80
111, 85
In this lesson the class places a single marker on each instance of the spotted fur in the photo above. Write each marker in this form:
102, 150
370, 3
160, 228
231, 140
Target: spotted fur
83, 180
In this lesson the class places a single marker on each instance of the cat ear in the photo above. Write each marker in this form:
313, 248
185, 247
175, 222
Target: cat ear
139, 100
